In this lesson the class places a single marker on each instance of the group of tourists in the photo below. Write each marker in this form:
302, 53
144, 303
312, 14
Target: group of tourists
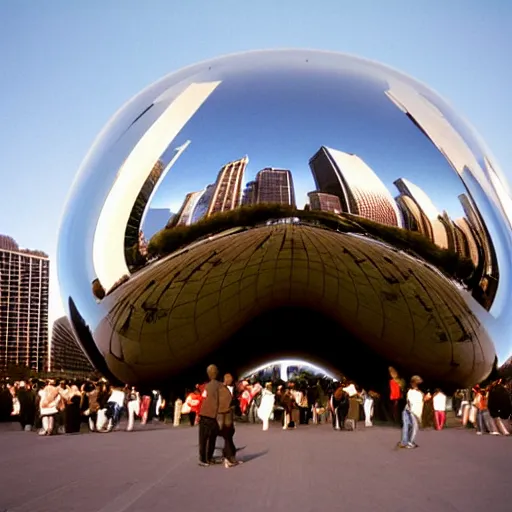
62, 407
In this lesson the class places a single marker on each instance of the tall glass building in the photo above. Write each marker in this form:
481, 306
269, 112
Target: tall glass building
24, 286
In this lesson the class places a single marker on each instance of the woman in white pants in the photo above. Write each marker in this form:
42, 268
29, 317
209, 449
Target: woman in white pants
133, 407
267, 405
368, 409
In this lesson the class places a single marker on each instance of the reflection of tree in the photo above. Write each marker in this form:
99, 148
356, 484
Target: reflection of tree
169, 240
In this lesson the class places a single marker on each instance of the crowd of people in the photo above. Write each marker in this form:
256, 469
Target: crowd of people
53, 407
62, 407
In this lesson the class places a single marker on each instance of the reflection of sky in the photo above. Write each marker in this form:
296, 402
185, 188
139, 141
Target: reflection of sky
280, 121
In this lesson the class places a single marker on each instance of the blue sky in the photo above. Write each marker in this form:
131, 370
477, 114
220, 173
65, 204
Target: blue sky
68, 66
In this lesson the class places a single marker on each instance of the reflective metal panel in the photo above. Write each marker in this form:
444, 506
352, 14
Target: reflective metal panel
286, 183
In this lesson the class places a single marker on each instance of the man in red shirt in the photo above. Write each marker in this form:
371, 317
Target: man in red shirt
395, 394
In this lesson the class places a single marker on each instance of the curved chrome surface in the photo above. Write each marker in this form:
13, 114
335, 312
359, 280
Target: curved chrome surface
301, 179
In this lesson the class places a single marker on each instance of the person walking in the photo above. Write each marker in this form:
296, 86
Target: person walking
411, 415
267, 405
208, 426
439, 402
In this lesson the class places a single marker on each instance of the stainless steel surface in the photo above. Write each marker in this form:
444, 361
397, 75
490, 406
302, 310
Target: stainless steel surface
325, 188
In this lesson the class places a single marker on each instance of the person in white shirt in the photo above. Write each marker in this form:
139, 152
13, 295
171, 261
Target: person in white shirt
115, 404
267, 405
439, 402
411, 415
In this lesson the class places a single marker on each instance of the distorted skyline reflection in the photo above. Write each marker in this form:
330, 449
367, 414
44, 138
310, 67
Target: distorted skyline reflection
299, 179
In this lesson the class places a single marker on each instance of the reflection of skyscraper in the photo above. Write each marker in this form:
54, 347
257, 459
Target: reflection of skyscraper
65, 353
275, 186
467, 244
324, 202
360, 190
134, 222
490, 266
250, 193
203, 203
417, 206
24, 287
228, 187
184, 216
137, 215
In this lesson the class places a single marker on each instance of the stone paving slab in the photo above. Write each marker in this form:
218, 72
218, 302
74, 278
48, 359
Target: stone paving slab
310, 469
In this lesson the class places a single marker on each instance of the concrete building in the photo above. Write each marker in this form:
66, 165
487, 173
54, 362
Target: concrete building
24, 287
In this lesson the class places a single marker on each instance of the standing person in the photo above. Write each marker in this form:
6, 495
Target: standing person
27, 407
267, 405
132, 406
339, 407
92, 393
368, 407
396, 386
439, 403
192, 405
484, 421
144, 407
48, 405
115, 405
427, 416
73, 414
500, 406
208, 426
226, 421
411, 415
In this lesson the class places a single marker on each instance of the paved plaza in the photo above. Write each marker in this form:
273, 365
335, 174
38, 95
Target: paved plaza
309, 469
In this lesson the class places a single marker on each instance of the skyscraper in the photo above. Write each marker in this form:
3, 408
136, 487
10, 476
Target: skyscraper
24, 284
203, 203
250, 193
184, 216
135, 221
275, 186
227, 194
417, 205
481, 235
360, 190
324, 202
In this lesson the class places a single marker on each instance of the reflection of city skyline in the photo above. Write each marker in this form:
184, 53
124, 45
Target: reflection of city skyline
345, 183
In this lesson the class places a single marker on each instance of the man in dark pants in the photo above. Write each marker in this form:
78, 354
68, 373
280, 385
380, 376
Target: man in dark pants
208, 426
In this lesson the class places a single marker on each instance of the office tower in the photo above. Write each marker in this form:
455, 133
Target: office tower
227, 194
275, 186
155, 220
24, 284
138, 214
419, 210
324, 202
184, 216
250, 193
201, 208
65, 354
467, 244
360, 190
135, 221
481, 235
